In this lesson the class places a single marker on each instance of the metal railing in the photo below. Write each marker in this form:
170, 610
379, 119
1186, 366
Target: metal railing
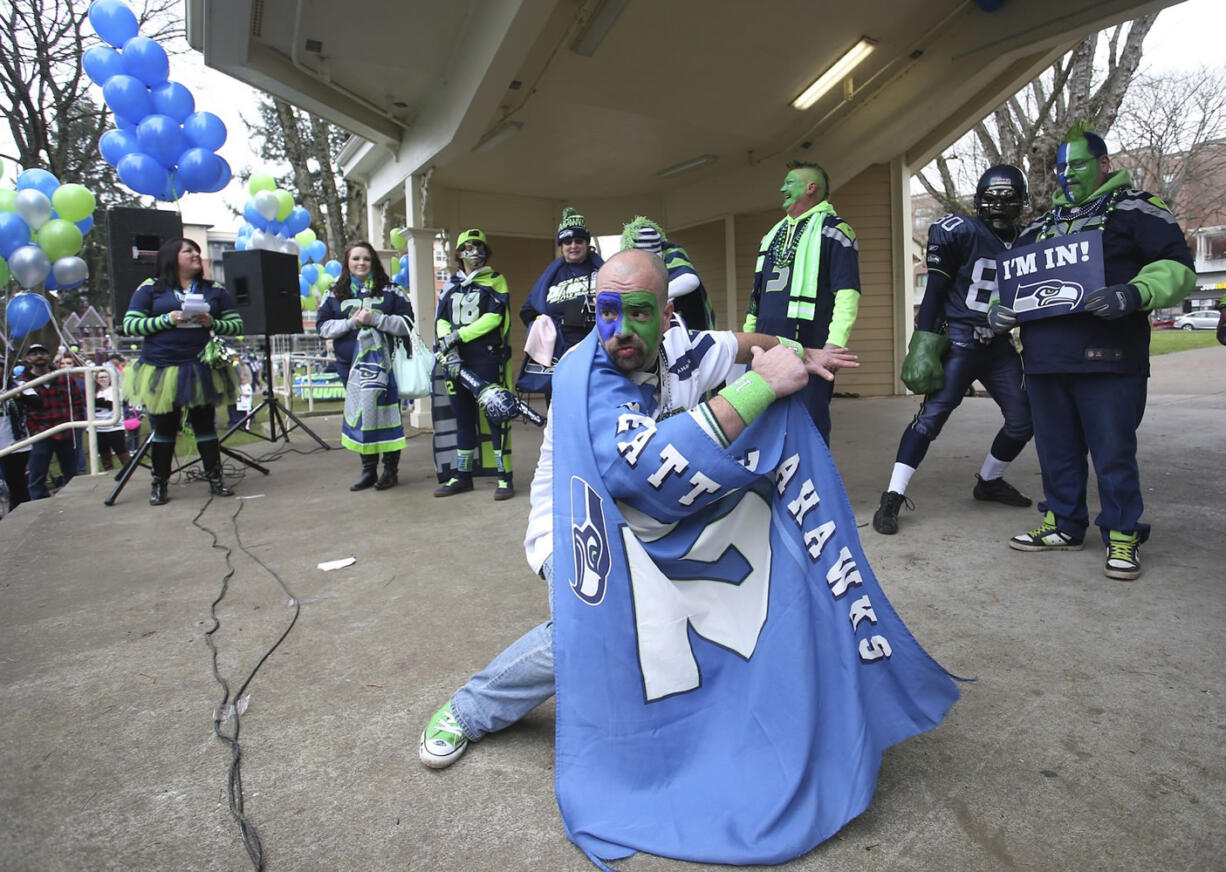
90, 424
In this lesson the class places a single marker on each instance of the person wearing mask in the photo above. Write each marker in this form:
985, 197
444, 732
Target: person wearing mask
175, 313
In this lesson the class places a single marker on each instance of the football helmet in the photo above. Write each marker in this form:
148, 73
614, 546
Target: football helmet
1000, 196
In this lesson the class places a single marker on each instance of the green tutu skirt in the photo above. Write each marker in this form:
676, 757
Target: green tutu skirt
160, 388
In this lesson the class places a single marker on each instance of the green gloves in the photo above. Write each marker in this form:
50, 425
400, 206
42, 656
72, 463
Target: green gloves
921, 370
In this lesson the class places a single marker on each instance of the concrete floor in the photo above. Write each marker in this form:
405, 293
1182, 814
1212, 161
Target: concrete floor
1093, 739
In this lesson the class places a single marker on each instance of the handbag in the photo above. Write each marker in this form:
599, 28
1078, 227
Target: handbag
414, 371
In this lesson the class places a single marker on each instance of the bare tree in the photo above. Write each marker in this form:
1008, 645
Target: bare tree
1170, 131
1026, 129
309, 145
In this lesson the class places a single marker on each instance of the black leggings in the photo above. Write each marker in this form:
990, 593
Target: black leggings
202, 419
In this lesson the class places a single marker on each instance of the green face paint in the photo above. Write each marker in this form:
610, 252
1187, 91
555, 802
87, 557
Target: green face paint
793, 188
629, 325
1077, 169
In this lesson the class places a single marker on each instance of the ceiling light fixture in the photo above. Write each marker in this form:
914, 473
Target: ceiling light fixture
598, 27
686, 165
841, 68
497, 136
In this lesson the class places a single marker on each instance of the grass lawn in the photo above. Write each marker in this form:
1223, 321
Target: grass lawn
1167, 341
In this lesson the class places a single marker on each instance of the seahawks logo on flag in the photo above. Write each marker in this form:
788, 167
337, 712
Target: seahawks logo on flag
1046, 294
591, 543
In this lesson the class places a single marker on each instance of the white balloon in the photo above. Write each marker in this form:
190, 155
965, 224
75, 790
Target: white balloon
70, 270
33, 207
29, 264
258, 239
288, 246
267, 204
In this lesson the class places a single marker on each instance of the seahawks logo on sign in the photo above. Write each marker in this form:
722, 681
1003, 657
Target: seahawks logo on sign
590, 542
1048, 294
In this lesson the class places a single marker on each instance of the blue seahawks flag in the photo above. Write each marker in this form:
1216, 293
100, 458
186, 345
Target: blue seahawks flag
1052, 277
729, 671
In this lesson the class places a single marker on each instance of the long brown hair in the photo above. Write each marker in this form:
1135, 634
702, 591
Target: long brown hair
341, 289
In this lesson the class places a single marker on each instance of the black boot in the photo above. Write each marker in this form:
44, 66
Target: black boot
161, 455
391, 465
210, 456
370, 470
505, 489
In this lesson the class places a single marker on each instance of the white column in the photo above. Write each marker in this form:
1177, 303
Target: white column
376, 232
901, 269
420, 238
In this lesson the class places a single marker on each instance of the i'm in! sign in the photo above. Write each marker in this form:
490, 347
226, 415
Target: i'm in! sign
1052, 277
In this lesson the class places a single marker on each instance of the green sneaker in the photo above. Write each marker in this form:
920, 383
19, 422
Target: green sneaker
1123, 556
1046, 537
442, 741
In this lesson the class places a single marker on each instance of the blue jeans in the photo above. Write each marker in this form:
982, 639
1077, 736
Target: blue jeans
515, 682
65, 451
1096, 414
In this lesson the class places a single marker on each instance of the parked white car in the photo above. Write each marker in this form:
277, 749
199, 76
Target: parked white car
1205, 319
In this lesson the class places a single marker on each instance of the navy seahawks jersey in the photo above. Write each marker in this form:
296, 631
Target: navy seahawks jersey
460, 305
964, 248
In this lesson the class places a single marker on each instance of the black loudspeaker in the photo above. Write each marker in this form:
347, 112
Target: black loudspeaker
133, 239
264, 285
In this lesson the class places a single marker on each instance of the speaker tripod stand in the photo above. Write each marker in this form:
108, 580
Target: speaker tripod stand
277, 411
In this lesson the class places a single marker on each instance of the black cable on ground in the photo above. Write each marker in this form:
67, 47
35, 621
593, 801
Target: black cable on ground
228, 707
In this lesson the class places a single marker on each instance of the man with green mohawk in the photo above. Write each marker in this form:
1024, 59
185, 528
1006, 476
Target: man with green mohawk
806, 284
685, 288
1086, 371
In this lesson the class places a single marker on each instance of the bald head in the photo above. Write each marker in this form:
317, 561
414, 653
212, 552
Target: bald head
634, 270
632, 307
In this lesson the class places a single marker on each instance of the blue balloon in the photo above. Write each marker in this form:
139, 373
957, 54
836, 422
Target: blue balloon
14, 233
401, 278
113, 21
254, 218
304, 287
198, 169
86, 224
310, 272
317, 250
39, 180
117, 144
224, 174
50, 283
333, 268
125, 124
101, 62
299, 220
245, 230
143, 174
205, 130
128, 98
276, 228
302, 256
173, 99
146, 60
26, 312
174, 188
162, 138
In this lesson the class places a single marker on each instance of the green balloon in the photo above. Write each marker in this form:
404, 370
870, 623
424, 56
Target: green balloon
58, 238
73, 202
261, 182
324, 281
305, 238
286, 203
8, 201
4, 272
397, 238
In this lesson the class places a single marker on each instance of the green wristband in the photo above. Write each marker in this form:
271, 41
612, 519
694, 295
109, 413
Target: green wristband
794, 346
749, 396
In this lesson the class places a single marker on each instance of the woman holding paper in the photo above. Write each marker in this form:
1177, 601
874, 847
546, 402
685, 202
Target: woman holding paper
175, 312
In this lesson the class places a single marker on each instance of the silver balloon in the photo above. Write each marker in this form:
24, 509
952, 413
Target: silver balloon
29, 265
33, 207
259, 239
267, 204
69, 270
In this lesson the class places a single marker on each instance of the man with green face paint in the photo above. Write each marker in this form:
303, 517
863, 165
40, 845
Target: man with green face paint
807, 279
670, 371
1086, 372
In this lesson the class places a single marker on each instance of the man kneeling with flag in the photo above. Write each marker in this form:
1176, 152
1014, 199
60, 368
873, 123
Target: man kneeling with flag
728, 670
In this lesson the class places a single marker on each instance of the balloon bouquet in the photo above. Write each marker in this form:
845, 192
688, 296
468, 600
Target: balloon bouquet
397, 238
42, 228
274, 222
161, 146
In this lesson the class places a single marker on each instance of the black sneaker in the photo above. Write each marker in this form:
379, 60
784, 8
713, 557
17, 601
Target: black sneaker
455, 485
1123, 556
997, 490
885, 519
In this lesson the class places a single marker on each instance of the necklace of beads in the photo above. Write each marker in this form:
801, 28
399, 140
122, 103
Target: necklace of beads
783, 247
